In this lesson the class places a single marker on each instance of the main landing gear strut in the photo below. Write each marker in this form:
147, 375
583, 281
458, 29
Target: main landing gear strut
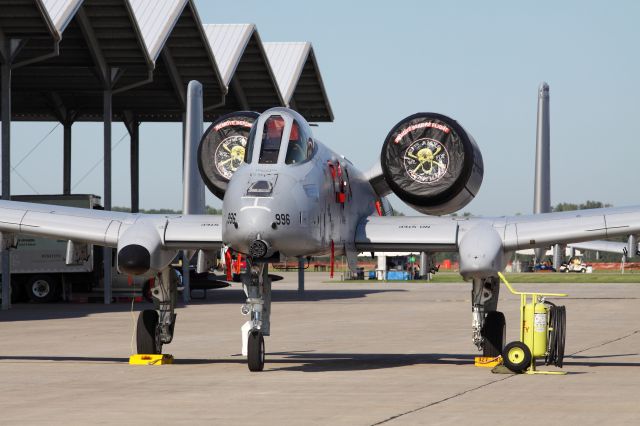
257, 287
489, 326
155, 326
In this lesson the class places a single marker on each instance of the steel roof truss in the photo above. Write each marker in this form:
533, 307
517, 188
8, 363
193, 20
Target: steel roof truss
174, 75
94, 48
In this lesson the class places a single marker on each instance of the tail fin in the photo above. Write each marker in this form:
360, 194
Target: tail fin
193, 201
542, 183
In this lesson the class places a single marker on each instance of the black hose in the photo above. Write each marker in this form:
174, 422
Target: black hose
557, 335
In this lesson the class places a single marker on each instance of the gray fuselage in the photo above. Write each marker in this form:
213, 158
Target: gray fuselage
296, 209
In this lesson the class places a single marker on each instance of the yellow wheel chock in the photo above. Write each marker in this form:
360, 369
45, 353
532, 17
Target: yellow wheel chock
151, 359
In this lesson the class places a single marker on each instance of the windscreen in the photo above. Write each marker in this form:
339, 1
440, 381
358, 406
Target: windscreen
300, 147
296, 151
271, 140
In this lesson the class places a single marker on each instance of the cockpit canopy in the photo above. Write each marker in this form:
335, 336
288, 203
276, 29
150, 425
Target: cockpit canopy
277, 128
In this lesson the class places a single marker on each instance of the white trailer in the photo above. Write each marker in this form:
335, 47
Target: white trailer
38, 268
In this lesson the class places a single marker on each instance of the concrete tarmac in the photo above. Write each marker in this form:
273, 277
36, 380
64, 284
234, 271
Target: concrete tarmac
345, 354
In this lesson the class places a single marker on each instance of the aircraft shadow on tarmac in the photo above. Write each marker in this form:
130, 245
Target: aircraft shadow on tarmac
34, 312
311, 362
238, 296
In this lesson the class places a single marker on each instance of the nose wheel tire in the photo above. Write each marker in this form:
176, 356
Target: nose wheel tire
493, 331
146, 330
516, 357
255, 351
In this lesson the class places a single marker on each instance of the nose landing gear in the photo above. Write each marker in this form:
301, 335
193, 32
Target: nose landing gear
257, 287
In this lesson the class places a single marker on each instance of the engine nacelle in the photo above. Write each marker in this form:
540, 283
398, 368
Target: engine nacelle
222, 147
431, 163
141, 252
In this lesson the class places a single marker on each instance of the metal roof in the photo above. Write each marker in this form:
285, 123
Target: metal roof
28, 21
156, 19
100, 40
151, 86
298, 76
61, 12
244, 66
227, 43
152, 49
175, 37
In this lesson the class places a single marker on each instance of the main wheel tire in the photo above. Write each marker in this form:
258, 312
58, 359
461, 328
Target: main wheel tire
146, 333
494, 332
516, 357
43, 289
255, 351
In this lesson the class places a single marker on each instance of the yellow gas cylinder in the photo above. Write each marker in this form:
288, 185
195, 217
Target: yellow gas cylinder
535, 328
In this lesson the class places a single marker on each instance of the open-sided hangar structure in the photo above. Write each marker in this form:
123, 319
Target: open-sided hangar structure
131, 61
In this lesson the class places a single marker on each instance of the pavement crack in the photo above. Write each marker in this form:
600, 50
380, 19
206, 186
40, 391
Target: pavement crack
442, 400
599, 345
389, 419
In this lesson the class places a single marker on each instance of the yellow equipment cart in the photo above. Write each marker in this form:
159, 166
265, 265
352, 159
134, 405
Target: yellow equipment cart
542, 333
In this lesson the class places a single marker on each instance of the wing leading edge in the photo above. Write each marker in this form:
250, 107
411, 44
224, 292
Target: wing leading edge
106, 227
429, 233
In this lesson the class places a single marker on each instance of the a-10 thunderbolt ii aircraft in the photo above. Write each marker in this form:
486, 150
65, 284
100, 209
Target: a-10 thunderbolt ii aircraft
285, 193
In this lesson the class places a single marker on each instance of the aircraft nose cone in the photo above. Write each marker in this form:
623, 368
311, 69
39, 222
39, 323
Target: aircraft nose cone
253, 234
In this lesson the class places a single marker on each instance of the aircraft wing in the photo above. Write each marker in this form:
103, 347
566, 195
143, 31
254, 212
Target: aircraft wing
106, 228
543, 230
407, 233
432, 233
604, 246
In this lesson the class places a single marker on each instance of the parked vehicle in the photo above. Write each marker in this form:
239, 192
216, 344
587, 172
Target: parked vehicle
575, 264
39, 271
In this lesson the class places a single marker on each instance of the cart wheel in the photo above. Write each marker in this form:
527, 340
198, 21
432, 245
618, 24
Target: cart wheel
146, 332
493, 331
516, 357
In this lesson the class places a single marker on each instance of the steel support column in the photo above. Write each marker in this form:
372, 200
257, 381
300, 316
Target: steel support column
5, 93
300, 276
108, 251
424, 273
66, 158
135, 167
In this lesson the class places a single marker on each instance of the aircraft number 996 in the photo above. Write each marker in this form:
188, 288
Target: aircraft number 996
231, 218
283, 219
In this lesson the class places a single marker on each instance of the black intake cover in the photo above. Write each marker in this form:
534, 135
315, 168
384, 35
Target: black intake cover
431, 163
221, 149
134, 259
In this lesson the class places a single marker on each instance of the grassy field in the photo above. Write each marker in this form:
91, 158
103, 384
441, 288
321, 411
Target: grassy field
536, 277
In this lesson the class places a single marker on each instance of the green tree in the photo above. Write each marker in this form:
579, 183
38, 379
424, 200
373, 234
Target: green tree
589, 204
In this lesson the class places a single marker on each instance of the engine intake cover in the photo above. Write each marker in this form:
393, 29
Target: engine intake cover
431, 163
222, 147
